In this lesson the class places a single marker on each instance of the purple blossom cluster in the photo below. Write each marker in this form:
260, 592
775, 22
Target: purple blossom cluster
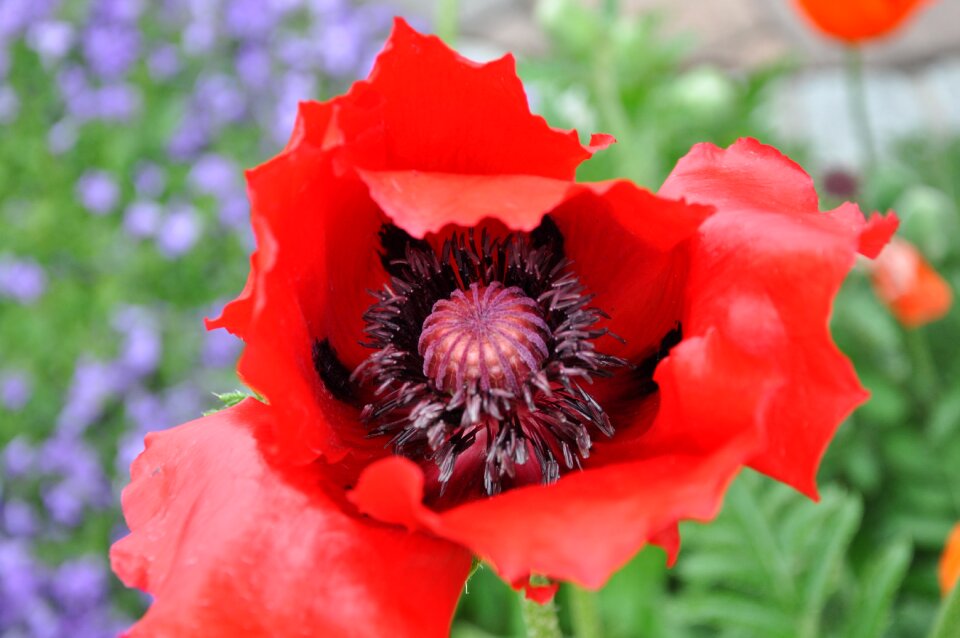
190, 82
222, 65
40, 601
67, 472
21, 280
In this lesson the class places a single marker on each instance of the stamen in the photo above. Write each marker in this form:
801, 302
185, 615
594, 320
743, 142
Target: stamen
485, 344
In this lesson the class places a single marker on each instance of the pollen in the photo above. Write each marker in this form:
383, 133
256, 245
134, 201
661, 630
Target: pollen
489, 338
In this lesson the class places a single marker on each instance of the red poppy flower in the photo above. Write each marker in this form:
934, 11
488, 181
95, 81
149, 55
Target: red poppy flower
915, 293
551, 374
857, 20
950, 562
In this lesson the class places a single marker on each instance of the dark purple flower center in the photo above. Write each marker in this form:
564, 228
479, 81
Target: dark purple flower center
492, 338
481, 350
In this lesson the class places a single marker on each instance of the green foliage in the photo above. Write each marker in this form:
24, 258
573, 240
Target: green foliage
775, 564
621, 75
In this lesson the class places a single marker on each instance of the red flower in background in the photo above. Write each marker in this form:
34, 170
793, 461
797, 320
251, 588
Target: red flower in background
915, 293
551, 374
950, 562
857, 20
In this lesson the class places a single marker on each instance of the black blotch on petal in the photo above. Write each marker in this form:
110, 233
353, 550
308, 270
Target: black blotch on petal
333, 373
548, 235
394, 242
643, 372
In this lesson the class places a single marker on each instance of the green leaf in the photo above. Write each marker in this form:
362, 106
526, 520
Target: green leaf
228, 399
877, 592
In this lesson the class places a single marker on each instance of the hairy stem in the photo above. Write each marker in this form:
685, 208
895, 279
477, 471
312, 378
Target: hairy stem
541, 621
584, 613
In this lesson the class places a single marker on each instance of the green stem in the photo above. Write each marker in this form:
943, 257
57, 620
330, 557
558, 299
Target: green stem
948, 620
448, 20
637, 151
541, 621
857, 92
584, 613
926, 377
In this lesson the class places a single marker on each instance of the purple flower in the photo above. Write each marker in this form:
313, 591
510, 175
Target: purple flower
341, 43
93, 383
300, 53
150, 179
220, 349
220, 98
199, 38
84, 105
294, 88
141, 351
142, 218
163, 62
72, 81
62, 136
20, 580
147, 411
22, 280
65, 502
18, 458
51, 40
9, 104
190, 138
183, 402
98, 192
19, 518
14, 16
254, 66
129, 448
124, 11
235, 212
15, 390
80, 584
214, 175
68, 456
111, 49
41, 620
179, 232
249, 19
118, 102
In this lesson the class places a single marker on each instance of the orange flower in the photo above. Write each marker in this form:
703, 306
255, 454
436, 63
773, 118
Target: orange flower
950, 562
915, 293
857, 20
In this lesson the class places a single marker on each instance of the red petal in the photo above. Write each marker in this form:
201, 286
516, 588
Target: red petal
422, 203
427, 108
857, 20
908, 284
629, 247
764, 274
590, 523
877, 233
229, 545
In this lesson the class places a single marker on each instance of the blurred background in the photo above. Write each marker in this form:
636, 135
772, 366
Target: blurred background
125, 126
